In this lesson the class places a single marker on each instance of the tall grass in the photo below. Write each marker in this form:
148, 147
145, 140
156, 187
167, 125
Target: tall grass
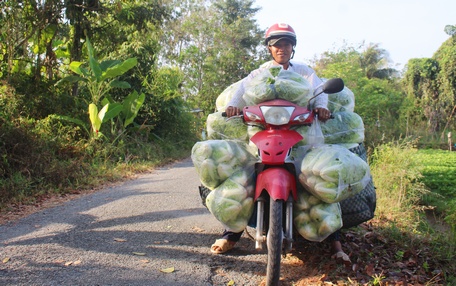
400, 215
40, 157
397, 179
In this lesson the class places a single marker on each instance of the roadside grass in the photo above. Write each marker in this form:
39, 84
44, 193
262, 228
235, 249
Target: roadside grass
409, 186
41, 161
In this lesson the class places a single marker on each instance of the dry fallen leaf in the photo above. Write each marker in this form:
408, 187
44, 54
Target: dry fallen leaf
323, 277
231, 283
145, 260
139, 253
77, 262
68, 263
167, 270
6, 259
197, 229
120, 239
369, 269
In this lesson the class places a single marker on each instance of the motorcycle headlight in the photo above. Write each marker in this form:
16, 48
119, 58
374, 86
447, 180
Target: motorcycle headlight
277, 115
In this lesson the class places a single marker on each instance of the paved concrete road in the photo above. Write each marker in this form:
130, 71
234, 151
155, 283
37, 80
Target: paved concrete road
125, 235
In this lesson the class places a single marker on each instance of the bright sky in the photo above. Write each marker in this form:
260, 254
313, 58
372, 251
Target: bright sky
405, 28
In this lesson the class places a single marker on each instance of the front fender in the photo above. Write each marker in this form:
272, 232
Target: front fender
278, 182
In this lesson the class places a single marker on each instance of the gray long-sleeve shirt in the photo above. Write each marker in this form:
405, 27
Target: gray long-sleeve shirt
308, 73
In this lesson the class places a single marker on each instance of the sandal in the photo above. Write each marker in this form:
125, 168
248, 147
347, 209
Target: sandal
341, 257
222, 245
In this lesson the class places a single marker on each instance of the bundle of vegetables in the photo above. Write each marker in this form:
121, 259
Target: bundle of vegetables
332, 173
341, 101
276, 82
216, 160
314, 219
345, 127
219, 128
226, 95
232, 202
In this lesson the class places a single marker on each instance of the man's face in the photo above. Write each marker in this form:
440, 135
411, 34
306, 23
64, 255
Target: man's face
281, 51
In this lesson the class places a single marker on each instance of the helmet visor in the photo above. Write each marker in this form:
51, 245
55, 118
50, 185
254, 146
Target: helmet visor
272, 42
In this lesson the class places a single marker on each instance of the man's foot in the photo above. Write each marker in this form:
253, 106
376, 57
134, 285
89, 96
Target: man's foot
222, 245
341, 258
339, 255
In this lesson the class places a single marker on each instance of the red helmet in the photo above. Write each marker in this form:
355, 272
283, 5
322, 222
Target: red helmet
279, 31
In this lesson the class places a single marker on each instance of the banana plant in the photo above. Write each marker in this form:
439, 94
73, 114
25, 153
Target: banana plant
108, 112
100, 78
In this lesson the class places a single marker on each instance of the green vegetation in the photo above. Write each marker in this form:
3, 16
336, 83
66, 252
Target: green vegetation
439, 177
403, 177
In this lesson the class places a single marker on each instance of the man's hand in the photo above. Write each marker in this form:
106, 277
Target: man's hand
232, 111
323, 113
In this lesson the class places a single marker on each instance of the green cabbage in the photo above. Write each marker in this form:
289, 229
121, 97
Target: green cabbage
216, 160
327, 191
314, 219
345, 127
232, 190
310, 159
231, 203
286, 85
224, 98
341, 101
224, 170
208, 174
293, 87
302, 218
222, 152
224, 209
218, 127
333, 173
260, 88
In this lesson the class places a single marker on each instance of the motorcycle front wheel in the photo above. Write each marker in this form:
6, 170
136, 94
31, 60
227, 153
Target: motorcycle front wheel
274, 242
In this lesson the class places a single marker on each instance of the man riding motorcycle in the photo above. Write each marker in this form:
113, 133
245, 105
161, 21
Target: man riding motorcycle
281, 40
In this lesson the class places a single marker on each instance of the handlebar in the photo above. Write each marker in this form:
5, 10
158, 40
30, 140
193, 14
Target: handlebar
240, 114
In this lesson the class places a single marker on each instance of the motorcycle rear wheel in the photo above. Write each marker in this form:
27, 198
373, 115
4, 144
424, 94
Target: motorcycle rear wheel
274, 242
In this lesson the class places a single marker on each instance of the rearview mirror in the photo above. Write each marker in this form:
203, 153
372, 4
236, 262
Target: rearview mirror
333, 85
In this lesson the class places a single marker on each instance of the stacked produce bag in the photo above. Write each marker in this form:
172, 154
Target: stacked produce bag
314, 219
275, 83
226, 168
329, 174
332, 173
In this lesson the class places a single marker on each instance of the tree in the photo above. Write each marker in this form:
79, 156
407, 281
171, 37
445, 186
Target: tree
421, 87
446, 57
216, 43
450, 30
378, 100
431, 82
375, 62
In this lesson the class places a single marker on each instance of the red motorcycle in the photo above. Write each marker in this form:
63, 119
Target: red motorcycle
276, 180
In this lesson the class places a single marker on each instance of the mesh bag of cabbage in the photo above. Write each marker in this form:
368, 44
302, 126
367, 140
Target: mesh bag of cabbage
361, 207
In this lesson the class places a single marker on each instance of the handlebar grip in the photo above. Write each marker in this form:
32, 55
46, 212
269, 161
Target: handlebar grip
224, 113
